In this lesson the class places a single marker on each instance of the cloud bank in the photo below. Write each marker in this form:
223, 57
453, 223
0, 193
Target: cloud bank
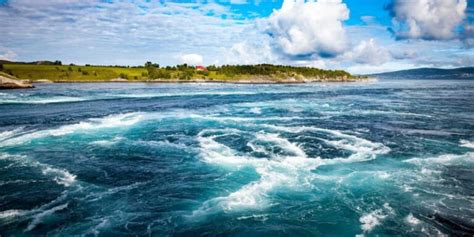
427, 19
192, 59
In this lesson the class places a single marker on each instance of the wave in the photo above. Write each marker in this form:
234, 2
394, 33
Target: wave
362, 149
466, 143
156, 95
255, 110
370, 220
445, 159
34, 99
373, 219
60, 176
10, 213
39, 218
38, 215
292, 170
40, 100
386, 112
107, 143
7, 134
111, 121
410, 219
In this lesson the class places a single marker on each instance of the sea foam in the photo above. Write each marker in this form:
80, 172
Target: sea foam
292, 170
466, 143
370, 220
60, 176
39, 218
111, 121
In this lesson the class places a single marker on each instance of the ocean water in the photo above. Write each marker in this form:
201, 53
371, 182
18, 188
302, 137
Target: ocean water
326, 159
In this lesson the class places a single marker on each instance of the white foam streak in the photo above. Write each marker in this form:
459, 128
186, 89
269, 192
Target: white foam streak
203, 93
443, 159
39, 218
282, 143
39, 100
362, 149
10, 213
7, 134
111, 121
38, 215
466, 143
107, 143
60, 176
293, 170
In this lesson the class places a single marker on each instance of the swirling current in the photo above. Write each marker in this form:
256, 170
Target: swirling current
325, 159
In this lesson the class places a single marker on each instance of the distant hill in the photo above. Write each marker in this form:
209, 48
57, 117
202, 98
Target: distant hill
429, 73
45, 62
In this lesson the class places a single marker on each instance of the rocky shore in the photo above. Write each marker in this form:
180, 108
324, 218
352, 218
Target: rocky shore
9, 83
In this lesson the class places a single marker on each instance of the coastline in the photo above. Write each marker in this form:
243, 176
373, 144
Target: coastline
209, 81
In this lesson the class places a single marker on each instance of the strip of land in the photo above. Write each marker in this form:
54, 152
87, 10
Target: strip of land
46, 71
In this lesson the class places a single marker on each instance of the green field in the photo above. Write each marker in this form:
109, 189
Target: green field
73, 73
263, 72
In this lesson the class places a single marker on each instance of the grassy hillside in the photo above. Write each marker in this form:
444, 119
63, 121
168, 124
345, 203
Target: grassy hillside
263, 72
73, 73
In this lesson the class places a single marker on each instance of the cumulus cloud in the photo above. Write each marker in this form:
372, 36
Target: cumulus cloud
306, 28
369, 52
192, 59
427, 19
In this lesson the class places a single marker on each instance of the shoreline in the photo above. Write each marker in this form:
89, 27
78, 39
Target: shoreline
250, 82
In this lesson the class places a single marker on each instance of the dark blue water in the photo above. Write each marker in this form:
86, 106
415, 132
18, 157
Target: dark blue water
378, 158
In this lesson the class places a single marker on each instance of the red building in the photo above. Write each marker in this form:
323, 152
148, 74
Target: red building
201, 68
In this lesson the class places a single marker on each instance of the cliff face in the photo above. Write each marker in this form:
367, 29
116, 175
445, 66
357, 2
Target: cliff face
7, 83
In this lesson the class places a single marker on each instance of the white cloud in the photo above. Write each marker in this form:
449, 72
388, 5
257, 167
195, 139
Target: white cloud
427, 19
359, 69
192, 59
302, 28
369, 52
238, 1
7, 54
122, 32
250, 52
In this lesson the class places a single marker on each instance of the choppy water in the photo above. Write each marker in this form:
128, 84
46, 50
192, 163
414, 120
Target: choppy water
386, 158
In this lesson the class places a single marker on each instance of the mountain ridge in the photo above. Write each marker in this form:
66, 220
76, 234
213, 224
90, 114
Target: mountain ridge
428, 73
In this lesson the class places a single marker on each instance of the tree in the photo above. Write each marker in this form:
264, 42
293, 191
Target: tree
123, 76
1, 67
150, 64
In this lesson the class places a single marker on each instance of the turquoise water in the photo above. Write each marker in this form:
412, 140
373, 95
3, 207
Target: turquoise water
336, 159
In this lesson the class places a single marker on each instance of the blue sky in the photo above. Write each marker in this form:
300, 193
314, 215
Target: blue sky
361, 36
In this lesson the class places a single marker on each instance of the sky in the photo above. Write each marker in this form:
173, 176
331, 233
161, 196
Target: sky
360, 36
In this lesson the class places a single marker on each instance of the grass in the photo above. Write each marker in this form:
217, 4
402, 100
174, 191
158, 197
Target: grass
72, 73
93, 73
66, 73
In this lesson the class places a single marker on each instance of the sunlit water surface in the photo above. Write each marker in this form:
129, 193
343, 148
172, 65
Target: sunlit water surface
386, 158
